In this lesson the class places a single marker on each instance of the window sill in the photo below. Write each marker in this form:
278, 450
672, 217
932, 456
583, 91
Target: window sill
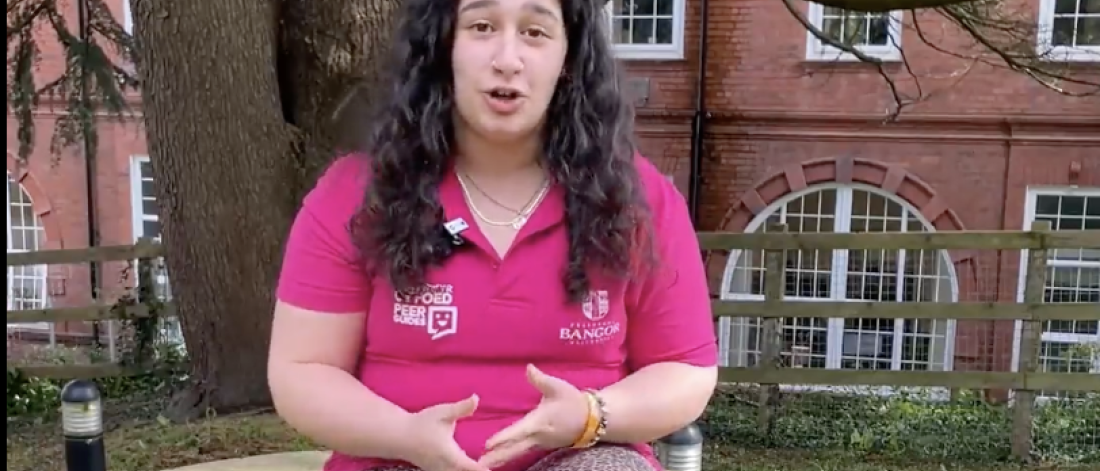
669, 53
838, 56
1061, 54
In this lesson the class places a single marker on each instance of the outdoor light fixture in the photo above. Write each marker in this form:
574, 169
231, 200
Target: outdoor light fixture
82, 425
682, 450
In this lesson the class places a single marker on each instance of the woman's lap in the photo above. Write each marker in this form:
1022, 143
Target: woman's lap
598, 458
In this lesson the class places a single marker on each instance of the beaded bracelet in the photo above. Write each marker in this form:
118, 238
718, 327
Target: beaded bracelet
596, 425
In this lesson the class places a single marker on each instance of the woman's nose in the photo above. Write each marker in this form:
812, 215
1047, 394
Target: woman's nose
507, 60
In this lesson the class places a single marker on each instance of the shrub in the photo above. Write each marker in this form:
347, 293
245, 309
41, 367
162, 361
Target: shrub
966, 429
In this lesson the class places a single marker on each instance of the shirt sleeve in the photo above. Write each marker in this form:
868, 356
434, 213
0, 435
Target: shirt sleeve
670, 317
321, 268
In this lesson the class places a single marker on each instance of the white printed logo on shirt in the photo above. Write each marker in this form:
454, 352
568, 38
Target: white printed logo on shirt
430, 306
592, 329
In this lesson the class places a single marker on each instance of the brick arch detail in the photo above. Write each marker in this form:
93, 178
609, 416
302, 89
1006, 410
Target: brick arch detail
40, 201
893, 180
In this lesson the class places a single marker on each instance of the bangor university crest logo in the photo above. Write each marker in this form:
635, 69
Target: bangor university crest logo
596, 305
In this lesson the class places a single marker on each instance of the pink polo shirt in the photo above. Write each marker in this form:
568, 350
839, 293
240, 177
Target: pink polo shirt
481, 320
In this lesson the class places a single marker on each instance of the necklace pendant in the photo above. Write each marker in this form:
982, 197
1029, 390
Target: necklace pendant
519, 222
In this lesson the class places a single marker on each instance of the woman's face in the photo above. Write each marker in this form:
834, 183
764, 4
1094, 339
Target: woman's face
507, 60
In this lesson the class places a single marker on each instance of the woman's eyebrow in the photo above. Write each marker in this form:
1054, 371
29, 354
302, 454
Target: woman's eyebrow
532, 6
541, 10
478, 4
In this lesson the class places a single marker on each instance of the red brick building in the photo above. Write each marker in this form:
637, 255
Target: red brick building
793, 133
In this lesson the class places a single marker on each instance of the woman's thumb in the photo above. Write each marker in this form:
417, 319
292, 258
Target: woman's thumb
460, 409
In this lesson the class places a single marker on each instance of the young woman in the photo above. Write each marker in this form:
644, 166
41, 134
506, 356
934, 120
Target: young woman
498, 281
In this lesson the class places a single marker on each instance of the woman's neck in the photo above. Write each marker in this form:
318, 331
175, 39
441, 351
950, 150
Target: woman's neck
496, 159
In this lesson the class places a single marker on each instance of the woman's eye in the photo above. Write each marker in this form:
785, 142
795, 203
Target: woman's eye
482, 27
536, 33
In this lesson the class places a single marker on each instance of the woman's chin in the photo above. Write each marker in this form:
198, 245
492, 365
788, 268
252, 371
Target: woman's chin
505, 130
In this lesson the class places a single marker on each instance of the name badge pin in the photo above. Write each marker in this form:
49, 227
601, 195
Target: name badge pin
456, 226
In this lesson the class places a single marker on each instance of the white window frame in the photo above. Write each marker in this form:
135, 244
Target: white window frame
1045, 41
674, 51
819, 51
44, 326
1032, 197
842, 218
127, 17
169, 327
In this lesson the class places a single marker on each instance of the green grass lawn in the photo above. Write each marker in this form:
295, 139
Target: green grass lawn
149, 445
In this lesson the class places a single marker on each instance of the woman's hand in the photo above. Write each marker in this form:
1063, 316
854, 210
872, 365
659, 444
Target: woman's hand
555, 423
434, 447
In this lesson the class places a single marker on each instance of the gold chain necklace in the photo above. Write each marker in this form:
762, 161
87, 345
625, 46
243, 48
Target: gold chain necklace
489, 197
517, 222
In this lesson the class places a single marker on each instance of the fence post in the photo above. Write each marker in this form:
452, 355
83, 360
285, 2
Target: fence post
82, 426
146, 293
1031, 335
771, 333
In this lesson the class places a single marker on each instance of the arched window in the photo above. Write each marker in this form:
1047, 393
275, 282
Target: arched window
845, 275
27, 284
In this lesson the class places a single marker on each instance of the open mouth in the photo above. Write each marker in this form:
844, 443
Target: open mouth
504, 94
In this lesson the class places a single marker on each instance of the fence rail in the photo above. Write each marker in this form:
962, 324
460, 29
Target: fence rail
144, 252
1025, 381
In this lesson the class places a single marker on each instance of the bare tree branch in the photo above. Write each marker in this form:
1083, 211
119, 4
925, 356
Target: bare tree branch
1010, 36
998, 34
883, 6
901, 100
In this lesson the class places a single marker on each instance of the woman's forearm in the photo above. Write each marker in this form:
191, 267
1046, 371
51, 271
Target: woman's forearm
335, 410
656, 401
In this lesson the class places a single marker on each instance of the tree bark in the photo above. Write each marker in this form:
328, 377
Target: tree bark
329, 57
239, 98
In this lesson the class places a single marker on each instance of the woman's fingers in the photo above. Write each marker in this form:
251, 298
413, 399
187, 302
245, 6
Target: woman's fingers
505, 452
460, 461
520, 430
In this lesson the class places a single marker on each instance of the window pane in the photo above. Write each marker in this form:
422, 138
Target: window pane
17, 219
1063, 31
643, 31
664, 7
1088, 31
879, 34
1046, 205
149, 207
1092, 205
147, 189
1073, 206
621, 31
664, 30
1062, 7
1063, 357
150, 229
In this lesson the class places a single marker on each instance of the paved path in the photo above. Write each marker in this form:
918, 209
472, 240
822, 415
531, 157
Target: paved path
300, 461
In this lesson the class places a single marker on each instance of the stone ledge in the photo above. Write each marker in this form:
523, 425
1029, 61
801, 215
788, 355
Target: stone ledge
298, 461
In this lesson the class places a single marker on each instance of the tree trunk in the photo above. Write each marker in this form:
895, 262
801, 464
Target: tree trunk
328, 62
238, 98
221, 155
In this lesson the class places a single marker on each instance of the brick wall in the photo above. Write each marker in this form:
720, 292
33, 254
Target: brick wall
976, 144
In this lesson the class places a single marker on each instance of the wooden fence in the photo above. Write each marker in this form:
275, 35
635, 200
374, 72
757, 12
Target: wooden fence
1025, 382
145, 253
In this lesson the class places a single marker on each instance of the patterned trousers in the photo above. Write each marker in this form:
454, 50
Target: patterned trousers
602, 457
